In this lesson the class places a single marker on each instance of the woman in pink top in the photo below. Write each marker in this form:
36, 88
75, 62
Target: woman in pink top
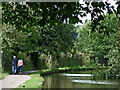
20, 64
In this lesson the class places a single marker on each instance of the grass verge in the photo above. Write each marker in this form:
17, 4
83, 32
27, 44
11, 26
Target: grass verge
36, 81
3, 75
60, 70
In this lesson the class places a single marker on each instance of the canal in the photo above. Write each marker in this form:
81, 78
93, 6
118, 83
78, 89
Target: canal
77, 80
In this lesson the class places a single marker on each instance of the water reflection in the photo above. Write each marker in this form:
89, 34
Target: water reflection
57, 81
77, 81
77, 75
93, 82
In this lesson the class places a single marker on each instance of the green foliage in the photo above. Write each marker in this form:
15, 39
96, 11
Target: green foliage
108, 24
47, 40
42, 64
13, 44
26, 14
38, 13
56, 39
3, 75
99, 49
69, 60
35, 27
64, 69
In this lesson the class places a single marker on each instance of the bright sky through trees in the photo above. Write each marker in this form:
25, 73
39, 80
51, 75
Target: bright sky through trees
88, 17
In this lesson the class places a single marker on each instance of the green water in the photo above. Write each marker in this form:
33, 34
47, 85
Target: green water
77, 80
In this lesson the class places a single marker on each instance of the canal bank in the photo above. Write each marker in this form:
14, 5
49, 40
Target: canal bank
61, 70
67, 71
39, 74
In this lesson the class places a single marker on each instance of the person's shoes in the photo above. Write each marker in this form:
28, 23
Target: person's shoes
20, 73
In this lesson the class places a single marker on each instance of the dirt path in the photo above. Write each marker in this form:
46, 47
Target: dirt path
13, 81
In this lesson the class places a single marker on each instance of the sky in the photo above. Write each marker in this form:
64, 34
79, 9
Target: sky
112, 2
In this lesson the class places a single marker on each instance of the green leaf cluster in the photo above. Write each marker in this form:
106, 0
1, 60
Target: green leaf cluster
100, 49
21, 14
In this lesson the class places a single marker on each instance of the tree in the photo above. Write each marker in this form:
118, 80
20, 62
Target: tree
100, 49
40, 22
47, 40
41, 13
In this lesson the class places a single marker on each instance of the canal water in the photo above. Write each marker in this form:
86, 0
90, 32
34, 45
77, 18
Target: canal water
77, 80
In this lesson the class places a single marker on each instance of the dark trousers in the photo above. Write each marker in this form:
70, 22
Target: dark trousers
20, 67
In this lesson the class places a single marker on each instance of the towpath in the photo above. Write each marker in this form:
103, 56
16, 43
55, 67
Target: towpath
13, 81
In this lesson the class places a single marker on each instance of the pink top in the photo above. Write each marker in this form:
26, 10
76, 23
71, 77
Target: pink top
20, 62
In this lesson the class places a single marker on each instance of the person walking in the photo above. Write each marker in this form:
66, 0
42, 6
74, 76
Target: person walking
20, 64
14, 65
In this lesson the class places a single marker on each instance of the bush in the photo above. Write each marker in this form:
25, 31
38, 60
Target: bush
67, 60
42, 62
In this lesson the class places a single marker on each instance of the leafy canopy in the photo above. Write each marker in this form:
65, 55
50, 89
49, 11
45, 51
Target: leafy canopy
27, 14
